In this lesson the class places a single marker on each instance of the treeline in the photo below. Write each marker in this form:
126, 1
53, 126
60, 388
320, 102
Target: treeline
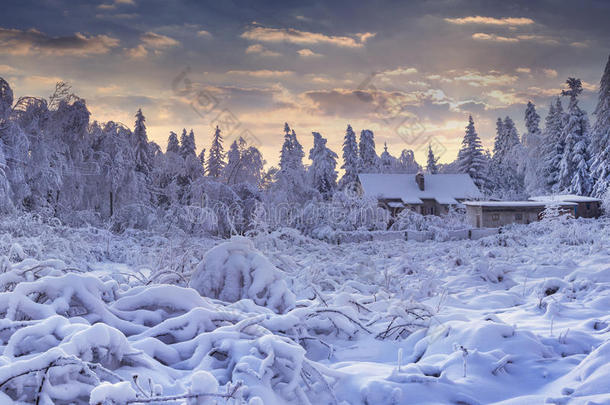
56, 162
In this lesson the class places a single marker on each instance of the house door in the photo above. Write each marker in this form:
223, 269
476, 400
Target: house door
478, 221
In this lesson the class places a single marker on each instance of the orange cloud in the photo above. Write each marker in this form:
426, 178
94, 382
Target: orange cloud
505, 21
18, 42
294, 36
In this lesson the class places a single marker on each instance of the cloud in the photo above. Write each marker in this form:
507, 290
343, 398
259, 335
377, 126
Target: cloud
18, 42
504, 21
158, 41
308, 53
261, 73
115, 4
523, 70
478, 79
294, 36
552, 73
139, 52
261, 50
543, 39
204, 33
399, 71
481, 36
6, 69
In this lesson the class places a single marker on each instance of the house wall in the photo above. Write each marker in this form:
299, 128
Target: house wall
588, 210
431, 207
472, 212
493, 217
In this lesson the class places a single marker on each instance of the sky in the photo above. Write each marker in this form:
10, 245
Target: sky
410, 71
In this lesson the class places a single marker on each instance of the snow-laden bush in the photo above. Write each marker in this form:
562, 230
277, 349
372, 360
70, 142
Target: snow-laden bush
235, 270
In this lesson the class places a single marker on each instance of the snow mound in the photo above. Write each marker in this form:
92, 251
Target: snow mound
235, 270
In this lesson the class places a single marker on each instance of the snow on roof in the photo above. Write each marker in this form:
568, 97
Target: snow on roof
395, 204
565, 197
514, 204
444, 188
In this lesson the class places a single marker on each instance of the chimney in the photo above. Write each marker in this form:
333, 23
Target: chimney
419, 179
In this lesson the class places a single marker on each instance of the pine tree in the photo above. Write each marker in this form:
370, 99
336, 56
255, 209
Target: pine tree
431, 164
387, 162
173, 145
368, 157
286, 152
470, 157
201, 158
532, 142
574, 175
216, 156
187, 144
322, 173
553, 145
600, 139
351, 161
233, 163
143, 163
505, 177
291, 175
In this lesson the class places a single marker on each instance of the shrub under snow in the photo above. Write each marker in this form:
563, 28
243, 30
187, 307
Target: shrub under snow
235, 270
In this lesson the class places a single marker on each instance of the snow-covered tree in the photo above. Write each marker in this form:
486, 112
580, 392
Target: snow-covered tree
369, 162
291, 174
322, 172
553, 145
173, 145
574, 175
407, 162
470, 157
431, 164
505, 178
216, 156
532, 142
351, 160
142, 157
187, 144
600, 137
387, 162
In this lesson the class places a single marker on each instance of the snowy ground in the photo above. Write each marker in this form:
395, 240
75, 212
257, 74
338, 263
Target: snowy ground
517, 318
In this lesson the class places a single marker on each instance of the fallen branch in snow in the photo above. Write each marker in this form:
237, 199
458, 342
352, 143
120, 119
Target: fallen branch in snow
231, 394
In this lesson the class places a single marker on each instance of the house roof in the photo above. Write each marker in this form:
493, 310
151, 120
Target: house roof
565, 197
444, 188
514, 204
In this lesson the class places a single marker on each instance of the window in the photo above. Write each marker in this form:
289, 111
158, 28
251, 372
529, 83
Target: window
495, 217
519, 217
588, 206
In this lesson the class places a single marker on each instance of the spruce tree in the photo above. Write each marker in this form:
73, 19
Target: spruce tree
574, 175
322, 172
470, 157
351, 161
532, 143
431, 164
216, 156
187, 144
368, 157
600, 140
553, 145
143, 163
173, 145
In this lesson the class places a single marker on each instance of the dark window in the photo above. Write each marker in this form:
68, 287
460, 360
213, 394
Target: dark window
495, 217
588, 206
519, 217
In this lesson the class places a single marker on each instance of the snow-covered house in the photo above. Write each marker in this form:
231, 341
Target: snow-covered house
493, 214
428, 194
586, 207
